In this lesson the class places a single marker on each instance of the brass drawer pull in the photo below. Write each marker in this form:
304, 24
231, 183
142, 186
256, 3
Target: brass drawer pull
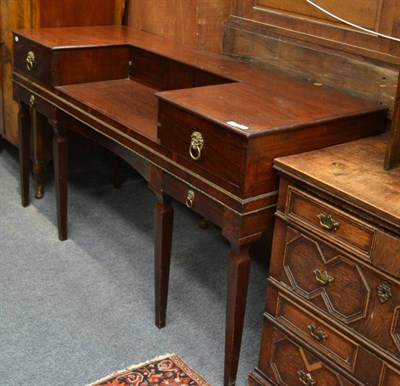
190, 198
317, 332
322, 277
306, 378
196, 145
32, 101
31, 61
327, 222
384, 292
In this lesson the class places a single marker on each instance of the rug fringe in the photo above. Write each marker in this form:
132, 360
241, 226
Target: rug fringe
132, 367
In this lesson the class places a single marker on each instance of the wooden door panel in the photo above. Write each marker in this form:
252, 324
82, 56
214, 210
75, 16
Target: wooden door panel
362, 12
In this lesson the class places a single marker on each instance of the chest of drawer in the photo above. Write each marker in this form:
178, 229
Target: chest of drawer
289, 364
329, 222
350, 293
316, 332
344, 229
202, 146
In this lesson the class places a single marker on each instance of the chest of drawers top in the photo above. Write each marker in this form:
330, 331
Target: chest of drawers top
352, 173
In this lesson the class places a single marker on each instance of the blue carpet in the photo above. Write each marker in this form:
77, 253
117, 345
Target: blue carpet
72, 312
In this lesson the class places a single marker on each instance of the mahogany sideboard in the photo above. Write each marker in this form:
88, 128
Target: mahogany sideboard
333, 297
201, 128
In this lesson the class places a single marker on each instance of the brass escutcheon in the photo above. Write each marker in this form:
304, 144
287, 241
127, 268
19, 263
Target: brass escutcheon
322, 277
31, 61
384, 292
32, 101
306, 378
190, 198
196, 145
317, 333
327, 222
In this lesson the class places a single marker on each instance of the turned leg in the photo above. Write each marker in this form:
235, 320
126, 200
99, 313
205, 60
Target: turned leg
238, 280
60, 155
163, 224
24, 123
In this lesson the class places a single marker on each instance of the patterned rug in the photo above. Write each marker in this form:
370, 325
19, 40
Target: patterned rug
168, 370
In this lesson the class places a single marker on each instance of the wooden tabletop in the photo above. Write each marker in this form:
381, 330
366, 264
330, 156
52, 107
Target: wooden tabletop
353, 171
258, 101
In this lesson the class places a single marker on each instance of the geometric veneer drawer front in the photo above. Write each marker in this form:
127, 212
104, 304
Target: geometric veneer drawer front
389, 377
291, 365
349, 292
341, 227
199, 144
317, 333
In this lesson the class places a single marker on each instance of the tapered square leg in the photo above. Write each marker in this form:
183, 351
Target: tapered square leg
238, 281
60, 155
24, 122
163, 225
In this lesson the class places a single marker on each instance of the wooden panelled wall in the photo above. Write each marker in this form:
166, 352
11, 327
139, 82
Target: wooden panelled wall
293, 36
196, 23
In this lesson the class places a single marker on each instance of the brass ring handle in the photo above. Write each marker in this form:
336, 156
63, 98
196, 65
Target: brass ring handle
196, 145
31, 61
317, 332
384, 292
190, 198
323, 277
306, 378
328, 222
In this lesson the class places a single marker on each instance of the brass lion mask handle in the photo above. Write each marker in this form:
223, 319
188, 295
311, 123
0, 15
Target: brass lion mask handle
31, 62
196, 145
328, 222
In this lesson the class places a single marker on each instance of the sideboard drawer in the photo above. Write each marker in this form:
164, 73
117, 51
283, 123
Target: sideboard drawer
328, 221
349, 292
32, 100
201, 145
33, 60
193, 199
